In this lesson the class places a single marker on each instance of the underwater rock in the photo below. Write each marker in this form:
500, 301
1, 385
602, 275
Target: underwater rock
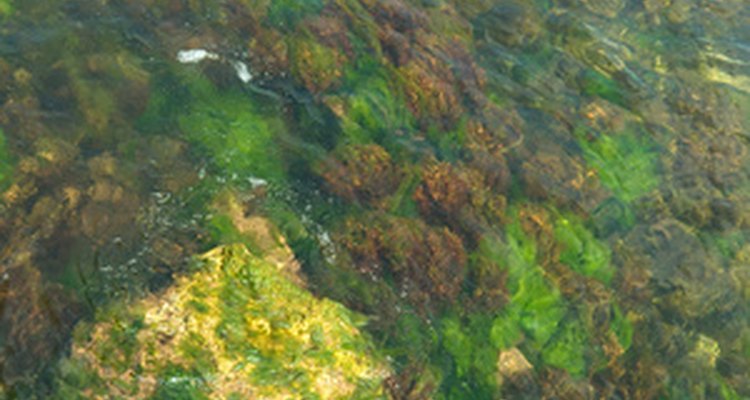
430, 91
605, 8
110, 204
686, 280
270, 52
512, 366
489, 138
52, 155
235, 327
512, 23
706, 173
488, 283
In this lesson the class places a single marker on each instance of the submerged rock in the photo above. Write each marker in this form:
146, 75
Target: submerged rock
511, 23
236, 328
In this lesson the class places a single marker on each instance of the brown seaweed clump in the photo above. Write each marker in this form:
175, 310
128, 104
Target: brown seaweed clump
427, 264
561, 178
360, 173
679, 295
458, 197
37, 318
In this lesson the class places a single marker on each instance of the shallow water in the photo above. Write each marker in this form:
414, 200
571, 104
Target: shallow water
527, 199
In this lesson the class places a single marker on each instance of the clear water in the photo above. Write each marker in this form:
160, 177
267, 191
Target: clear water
557, 186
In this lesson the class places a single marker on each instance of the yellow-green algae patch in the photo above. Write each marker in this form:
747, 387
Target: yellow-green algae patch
236, 328
6, 8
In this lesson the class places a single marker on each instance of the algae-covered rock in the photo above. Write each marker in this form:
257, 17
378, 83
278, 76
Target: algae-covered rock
236, 328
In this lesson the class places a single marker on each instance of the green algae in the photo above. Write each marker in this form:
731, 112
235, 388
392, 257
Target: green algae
473, 357
286, 14
538, 304
626, 162
622, 328
6, 167
582, 251
238, 137
373, 105
594, 83
231, 128
6, 8
567, 349
318, 66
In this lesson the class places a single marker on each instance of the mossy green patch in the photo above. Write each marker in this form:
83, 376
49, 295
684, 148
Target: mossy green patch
168, 99
412, 337
317, 66
223, 230
567, 349
622, 328
402, 203
285, 14
239, 137
374, 106
450, 144
473, 358
506, 329
6, 8
625, 162
458, 344
581, 251
176, 382
594, 83
537, 303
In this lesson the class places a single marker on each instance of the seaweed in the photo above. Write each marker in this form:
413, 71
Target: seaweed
625, 162
539, 305
464, 356
6, 8
234, 132
582, 251
567, 349
371, 106
6, 165
286, 14
317, 66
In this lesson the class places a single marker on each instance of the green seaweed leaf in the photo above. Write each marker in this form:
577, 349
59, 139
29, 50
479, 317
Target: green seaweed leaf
6, 166
6, 8
375, 107
240, 138
566, 350
582, 251
625, 162
285, 14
